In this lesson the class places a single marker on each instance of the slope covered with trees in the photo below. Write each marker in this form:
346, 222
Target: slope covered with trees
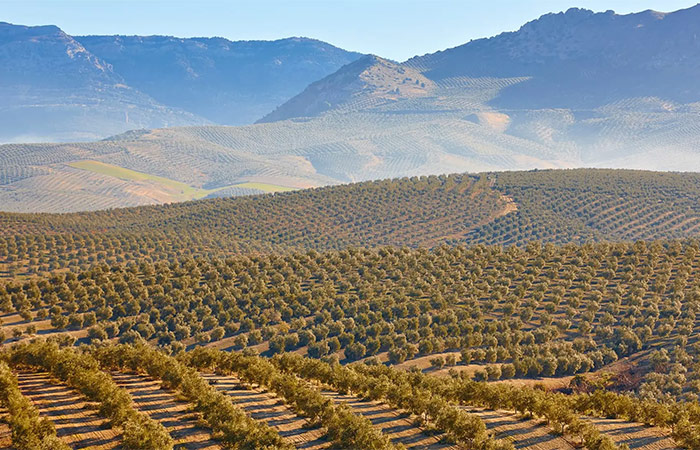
506, 208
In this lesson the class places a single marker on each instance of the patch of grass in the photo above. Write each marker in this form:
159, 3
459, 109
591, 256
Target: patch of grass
181, 191
263, 187
132, 175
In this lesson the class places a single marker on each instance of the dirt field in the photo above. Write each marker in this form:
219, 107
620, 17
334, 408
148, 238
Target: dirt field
163, 406
5, 433
76, 420
529, 434
636, 435
267, 407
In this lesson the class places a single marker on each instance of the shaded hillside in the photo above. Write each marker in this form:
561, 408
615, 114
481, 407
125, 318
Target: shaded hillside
582, 59
51, 87
499, 208
229, 83
58, 88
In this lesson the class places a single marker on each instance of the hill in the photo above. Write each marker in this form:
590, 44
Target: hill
561, 207
51, 87
176, 164
229, 83
367, 80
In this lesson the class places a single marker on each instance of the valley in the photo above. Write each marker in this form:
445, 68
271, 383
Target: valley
208, 243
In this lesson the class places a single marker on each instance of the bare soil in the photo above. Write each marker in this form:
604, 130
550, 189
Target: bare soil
399, 426
265, 406
638, 436
162, 405
76, 420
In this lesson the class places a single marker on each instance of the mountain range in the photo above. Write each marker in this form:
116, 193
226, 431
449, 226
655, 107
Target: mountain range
573, 89
58, 87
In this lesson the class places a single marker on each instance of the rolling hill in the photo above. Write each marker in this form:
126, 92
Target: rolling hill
508, 208
356, 317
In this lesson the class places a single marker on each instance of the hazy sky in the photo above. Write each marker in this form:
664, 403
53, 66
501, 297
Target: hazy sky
396, 29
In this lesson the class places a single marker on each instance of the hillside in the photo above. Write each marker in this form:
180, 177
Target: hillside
566, 55
497, 318
177, 164
229, 83
562, 207
417, 311
51, 88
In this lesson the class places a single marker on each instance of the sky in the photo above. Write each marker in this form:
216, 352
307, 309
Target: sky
396, 29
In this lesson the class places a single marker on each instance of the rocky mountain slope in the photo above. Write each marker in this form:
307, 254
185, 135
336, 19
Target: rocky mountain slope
582, 59
229, 83
367, 79
55, 87
51, 87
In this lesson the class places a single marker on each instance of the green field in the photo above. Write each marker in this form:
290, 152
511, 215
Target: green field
263, 187
181, 191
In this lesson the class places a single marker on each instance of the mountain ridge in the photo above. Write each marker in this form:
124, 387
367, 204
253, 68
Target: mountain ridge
228, 82
374, 118
36, 94
57, 87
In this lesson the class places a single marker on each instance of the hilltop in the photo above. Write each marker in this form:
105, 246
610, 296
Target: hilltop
367, 80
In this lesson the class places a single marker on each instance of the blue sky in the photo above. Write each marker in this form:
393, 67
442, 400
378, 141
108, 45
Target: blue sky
396, 29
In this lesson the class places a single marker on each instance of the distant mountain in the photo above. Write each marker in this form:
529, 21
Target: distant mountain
593, 89
581, 59
52, 88
230, 83
360, 82
576, 59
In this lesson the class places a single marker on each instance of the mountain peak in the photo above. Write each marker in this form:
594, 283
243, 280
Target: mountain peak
369, 78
